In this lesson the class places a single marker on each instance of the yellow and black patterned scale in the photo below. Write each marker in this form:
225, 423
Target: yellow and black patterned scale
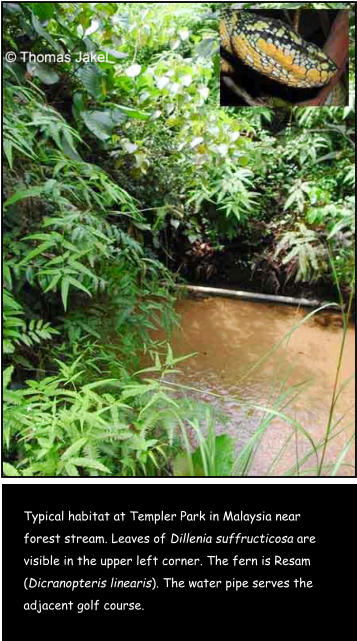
273, 49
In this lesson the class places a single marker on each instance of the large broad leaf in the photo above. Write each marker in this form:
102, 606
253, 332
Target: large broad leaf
42, 72
91, 78
78, 104
100, 123
12, 7
44, 34
43, 10
117, 116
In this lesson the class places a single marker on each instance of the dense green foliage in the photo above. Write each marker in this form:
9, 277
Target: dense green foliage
116, 173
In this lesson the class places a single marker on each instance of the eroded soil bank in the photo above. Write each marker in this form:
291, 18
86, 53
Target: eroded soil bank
230, 337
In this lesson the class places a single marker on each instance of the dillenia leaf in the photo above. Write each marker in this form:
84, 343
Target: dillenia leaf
100, 123
91, 78
43, 10
78, 104
12, 7
44, 34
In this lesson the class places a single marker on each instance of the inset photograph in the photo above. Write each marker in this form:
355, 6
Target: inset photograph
278, 57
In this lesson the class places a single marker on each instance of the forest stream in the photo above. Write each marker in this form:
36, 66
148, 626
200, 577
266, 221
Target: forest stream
230, 336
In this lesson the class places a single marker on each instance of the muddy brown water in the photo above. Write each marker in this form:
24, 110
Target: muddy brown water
231, 336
